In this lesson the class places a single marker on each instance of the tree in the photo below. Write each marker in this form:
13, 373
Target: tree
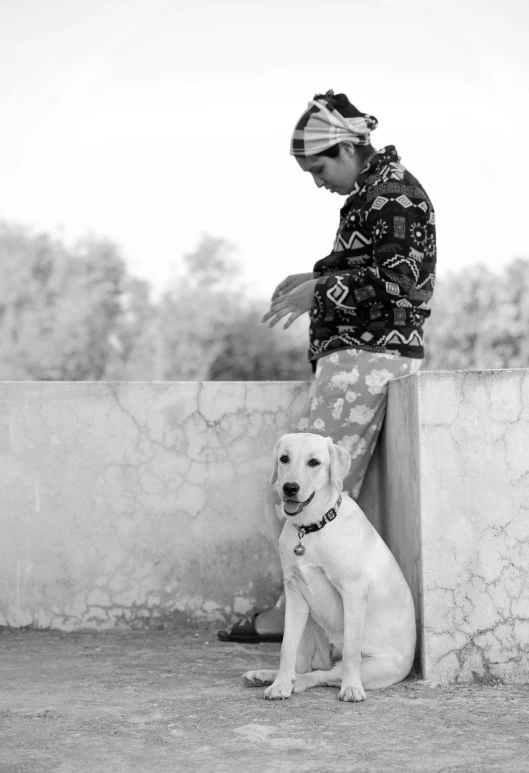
135, 337
480, 319
212, 330
512, 345
76, 314
58, 307
253, 352
211, 266
197, 310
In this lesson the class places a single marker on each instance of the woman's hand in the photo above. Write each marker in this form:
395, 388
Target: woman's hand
288, 284
296, 302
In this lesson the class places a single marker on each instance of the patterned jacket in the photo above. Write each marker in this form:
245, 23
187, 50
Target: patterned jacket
375, 286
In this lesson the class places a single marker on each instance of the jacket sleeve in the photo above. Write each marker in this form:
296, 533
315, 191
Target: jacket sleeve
398, 230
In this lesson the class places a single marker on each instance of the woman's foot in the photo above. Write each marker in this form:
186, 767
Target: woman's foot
261, 627
271, 621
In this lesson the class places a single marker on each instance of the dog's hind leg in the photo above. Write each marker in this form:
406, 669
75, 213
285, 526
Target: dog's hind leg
314, 652
383, 669
258, 678
331, 678
377, 671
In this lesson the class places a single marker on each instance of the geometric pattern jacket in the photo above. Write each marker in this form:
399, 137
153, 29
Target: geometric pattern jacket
374, 288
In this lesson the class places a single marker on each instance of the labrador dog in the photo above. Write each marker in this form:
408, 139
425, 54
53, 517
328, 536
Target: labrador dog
349, 620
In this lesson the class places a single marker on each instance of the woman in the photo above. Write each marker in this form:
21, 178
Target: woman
367, 299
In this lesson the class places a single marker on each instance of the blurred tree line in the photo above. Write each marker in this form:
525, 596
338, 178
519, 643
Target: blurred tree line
77, 314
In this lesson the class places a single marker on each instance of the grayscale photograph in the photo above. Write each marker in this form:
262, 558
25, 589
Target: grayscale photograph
264, 386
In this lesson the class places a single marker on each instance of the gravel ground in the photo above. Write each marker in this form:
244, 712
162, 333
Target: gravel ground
173, 700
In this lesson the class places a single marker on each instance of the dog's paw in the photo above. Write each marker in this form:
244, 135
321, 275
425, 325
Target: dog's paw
279, 690
299, 686
258, 678
350, 693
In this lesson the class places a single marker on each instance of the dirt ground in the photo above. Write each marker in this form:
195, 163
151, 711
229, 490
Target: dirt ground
157, 701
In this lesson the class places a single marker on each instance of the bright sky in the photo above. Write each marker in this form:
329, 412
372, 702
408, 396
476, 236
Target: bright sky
152, 121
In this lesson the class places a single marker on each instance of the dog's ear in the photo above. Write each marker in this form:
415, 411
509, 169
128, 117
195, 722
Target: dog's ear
274, 464
340, 463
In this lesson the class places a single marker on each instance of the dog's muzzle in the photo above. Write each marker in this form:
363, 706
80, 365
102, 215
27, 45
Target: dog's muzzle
293, 507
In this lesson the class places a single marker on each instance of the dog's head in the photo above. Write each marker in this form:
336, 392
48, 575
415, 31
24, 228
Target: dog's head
305, 464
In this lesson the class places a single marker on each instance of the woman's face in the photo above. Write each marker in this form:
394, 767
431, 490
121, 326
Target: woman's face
338, 174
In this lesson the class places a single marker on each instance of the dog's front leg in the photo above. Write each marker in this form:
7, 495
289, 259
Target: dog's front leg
296, 615
355, 607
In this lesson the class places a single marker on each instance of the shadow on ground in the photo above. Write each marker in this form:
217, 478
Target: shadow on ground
128, 702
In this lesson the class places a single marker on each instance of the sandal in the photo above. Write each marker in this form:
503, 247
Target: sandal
244, 632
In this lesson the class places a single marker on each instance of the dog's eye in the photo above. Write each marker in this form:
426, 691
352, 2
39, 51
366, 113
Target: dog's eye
314, 462
283, 459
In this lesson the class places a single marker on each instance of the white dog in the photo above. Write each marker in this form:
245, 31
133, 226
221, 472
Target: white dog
346, 596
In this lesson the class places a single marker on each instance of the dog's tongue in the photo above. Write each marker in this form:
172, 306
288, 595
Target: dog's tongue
291, 507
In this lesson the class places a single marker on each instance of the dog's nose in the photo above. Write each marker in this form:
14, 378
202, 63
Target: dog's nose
290, 489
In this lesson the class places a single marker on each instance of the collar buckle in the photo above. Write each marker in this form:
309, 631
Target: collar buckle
330, 515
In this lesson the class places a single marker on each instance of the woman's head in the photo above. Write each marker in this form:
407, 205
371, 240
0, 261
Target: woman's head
338, 173
332, 141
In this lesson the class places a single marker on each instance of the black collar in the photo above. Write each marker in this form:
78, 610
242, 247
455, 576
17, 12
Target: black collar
330, 515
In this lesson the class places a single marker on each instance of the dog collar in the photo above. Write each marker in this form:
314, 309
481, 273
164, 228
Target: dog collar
330, 515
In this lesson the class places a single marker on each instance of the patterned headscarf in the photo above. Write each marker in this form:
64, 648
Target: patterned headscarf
321, 126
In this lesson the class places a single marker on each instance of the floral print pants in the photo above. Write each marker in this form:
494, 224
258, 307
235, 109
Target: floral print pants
347, 402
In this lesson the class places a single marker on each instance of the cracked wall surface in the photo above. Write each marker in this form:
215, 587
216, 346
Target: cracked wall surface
137, 505
468, 509
140, 505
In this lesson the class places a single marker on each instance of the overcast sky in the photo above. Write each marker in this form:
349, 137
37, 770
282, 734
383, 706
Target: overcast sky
152, 121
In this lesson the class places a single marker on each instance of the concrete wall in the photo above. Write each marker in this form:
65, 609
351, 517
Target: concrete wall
138, 504
456, 470
145, 504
